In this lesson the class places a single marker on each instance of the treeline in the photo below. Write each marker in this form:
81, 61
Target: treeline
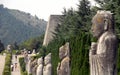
33, 43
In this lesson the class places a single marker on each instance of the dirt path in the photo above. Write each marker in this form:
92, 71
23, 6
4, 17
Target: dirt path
16, 71
2, 63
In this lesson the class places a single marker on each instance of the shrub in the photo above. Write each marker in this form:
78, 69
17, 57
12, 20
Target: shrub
22, 66
7, 70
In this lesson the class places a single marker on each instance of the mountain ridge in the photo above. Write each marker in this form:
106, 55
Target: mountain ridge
18, 26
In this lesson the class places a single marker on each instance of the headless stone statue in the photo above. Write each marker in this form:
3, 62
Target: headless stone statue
33, 51
26, 59
64, 55
47, 70
40, 67
9, 48
28, 65
33, 66
103, 53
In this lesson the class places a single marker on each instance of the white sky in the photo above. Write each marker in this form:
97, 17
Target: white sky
42, 8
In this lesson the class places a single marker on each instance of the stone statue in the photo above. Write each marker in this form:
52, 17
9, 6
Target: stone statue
28, 65
9, 48
33, 66
103, 53
33, 51
47, 70
64, 55
40, 67
26, 57
26, 60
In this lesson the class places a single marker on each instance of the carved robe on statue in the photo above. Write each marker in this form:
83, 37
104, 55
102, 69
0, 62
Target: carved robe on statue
47, 70
64, 55
40, 67
102, 55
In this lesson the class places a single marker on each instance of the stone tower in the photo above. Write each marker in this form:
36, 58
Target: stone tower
53, 22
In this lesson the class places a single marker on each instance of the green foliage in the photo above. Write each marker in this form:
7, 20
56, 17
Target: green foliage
79, 49
79, 46
53, 47
15, 46
18, 26
75, 22
1, 46
74, 29
7, 70
33, 43
22, 66
118, 60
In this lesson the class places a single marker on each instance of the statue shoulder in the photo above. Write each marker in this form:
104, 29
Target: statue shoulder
49, 65
110, 37
66, 60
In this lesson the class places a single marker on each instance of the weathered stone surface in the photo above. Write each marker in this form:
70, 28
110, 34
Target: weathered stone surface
33, 66
28, 64
26, 56
103, 53
64, 55
9, 48
53, 22
40, 67
47, 70
33, 51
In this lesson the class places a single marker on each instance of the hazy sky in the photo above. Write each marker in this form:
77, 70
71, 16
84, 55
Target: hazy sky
41, 8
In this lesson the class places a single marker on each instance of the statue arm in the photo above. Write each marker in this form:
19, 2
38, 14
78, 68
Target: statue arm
108, 47
58, 68
93, 49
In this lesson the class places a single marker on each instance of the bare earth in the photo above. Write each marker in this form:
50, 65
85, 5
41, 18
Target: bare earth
16, 71
2, 63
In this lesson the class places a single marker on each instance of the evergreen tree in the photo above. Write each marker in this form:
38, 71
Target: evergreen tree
1, 46
84, 14
74, 29
15, 46
68, 26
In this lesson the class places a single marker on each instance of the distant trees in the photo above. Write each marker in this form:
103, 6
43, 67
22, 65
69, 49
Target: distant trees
19, 26
33, 43
1, 46
15, 46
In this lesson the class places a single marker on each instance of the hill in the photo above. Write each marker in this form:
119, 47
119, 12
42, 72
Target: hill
18, 26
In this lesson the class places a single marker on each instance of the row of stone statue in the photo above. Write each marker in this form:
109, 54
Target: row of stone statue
102, 54
44, 67
38, 66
